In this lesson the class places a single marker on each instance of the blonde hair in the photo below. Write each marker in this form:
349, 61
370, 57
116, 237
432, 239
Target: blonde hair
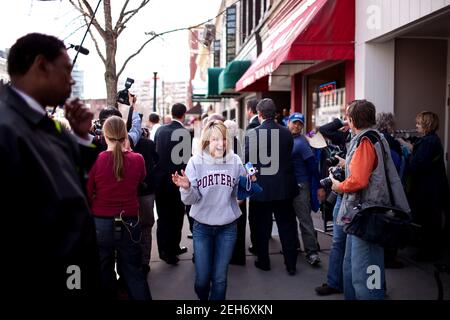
115, 131
214, 127
429, 121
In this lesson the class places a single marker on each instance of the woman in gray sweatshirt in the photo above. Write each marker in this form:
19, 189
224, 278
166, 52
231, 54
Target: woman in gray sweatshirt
210, 185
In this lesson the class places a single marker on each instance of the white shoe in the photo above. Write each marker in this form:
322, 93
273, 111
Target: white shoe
313, 259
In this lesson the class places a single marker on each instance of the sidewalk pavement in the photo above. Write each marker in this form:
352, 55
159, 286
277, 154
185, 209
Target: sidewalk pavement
167, 282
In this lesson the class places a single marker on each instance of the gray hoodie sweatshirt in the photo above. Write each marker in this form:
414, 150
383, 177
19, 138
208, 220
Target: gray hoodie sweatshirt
213, 190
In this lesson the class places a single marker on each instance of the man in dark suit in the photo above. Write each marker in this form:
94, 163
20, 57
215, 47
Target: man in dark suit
48, 243
253, 122
173, 145
252, 115
269, 148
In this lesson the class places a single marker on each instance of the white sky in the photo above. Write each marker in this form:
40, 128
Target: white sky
169, 55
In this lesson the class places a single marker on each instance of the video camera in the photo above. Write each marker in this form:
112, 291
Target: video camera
337, 172
122, 95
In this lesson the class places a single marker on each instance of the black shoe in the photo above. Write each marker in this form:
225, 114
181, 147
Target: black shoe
182, 250
325, 290
237, 262
252, 250
262, 266
173, 260
291, 271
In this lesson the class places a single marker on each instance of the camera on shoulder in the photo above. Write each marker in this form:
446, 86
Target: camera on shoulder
122, 95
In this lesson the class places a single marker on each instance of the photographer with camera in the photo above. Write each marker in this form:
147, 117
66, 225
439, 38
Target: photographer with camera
90, 152
368, 172
337, 132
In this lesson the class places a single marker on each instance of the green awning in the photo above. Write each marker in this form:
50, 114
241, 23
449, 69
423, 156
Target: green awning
231, 74
204, 98
213, 82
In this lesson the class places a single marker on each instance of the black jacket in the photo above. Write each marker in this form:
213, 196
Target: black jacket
427, 184
337, 137
147, 148
47, 225
281, 185
164, 146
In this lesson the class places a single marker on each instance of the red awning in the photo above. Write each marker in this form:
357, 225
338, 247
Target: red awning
315, 30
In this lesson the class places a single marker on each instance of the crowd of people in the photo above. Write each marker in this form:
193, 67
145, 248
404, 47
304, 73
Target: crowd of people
93, 189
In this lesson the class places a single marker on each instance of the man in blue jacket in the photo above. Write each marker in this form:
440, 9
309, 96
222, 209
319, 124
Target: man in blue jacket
305, 169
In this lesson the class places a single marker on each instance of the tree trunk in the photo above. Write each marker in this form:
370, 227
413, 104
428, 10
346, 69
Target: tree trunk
110, 65
111, 89
111, 72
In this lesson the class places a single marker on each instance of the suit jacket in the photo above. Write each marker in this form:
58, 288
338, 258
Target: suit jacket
47, 222
253, 124
282, 184
172, 137
147, 148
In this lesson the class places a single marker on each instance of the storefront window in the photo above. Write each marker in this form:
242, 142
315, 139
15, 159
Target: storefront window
326, 96
328, 103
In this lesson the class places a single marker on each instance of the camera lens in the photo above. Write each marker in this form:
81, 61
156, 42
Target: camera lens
326, 183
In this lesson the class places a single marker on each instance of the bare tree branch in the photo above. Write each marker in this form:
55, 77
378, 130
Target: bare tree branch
73, 32
88, 14
121, 16
129, 14
72, 21
133, 55
97, 47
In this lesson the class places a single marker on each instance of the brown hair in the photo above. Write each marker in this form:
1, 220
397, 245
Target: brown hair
115, 131
362, 113
385, 122
429, 121
212, 127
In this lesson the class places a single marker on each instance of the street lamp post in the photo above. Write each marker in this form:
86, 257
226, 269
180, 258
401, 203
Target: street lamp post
154, 90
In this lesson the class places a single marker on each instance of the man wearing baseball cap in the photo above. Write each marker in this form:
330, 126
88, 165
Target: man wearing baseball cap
305, 169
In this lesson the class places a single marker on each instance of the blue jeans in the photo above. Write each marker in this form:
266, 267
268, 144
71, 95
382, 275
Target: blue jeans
364, 277
335, 264
125, 241
213, 248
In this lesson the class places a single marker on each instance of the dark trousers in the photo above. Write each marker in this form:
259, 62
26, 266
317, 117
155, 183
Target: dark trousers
252, 214
287, 227
123, 239
239, 255
170, 221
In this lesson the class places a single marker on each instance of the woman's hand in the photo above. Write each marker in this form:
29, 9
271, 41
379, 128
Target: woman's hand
341, 161
181, 181
406, 144
336, 184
